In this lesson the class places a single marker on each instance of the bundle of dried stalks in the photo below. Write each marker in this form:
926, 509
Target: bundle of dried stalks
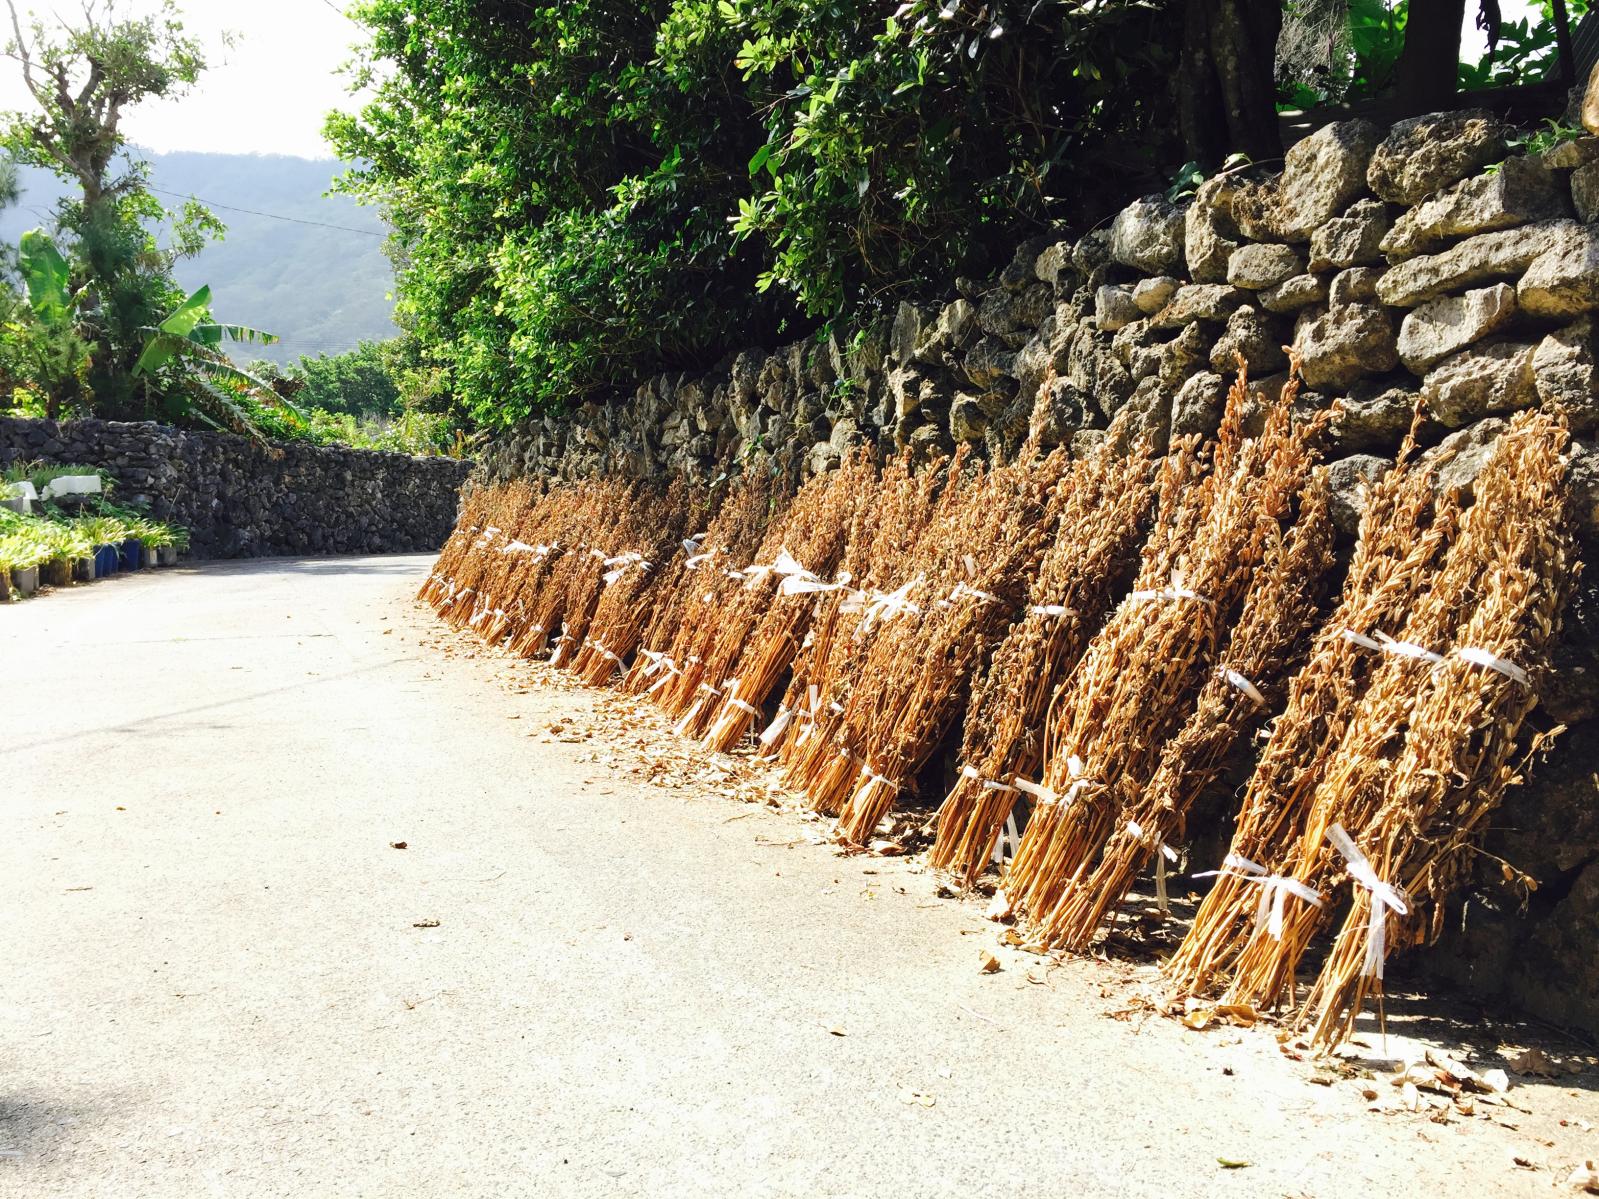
1428, 754
882, 536
1141, 675
826, 766
1464, 739
1103, 510
733, 534
814, 545
810, 530
467, 558
636, 579
1403, 536
572, 568
1263, 650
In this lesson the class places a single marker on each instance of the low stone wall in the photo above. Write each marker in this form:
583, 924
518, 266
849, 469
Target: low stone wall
241, 499
1423, 268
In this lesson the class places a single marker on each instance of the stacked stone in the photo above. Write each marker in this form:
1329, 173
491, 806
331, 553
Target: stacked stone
241, 499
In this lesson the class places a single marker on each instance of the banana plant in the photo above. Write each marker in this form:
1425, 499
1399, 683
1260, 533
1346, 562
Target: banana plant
39, 334
190, 344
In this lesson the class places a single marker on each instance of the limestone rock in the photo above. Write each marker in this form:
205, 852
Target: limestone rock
1261, 265
1432, 331
988, 362
1353, 239
1059, 412
1293, 294
1051, 261
967, 420
1114, 307
1092, 250
1182, 356
1349, 483
1345, 344
1197, 407
1210, 234
1460, 457
1425, 153
1563, 281
1151, 295
1148, 235
1019, 273
1199, 302
956, 322
1568, 156
1034, 361
1565, 371
1357, 285
1085, 442
1374, 415
1520, 192
1482, 258
1585, 192
1138, 347
1321, 175
1148, 417
1011, 315
1255, 337
1479, 382
910, 321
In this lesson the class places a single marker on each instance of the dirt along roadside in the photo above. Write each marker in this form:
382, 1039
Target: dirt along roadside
310, 895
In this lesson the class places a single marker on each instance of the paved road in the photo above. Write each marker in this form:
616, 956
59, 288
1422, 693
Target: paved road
214, 982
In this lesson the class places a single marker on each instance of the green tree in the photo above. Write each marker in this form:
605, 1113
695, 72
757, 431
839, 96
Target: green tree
83, 79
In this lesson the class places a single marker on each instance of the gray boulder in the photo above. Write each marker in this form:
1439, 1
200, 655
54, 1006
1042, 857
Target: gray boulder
1114, 307
1260, 265
1521, 191
1148, 235
1198, 405
1199, 302
1210, 234
1353, 239
1321, 175
1565, 371
1374, 415
989, 361
1254, 337
1585, 192
1346, 344
1482, 258
968, 420
1479, 382
1460, 457
1349, 482
1059, 412
1563, 281
1151, 295
1425, 153
1293, 294
1355, 285
1432, 331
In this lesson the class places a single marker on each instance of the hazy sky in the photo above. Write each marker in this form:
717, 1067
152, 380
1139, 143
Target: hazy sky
266, 95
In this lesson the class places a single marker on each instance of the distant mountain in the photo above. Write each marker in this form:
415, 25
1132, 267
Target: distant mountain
320, 289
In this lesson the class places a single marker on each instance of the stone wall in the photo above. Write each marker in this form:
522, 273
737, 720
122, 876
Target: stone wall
1424, 265
241, 499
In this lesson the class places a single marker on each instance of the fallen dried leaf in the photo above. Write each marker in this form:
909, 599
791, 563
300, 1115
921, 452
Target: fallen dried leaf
1534, 1061
398, 845
426, 924
990, 963
1233, 1163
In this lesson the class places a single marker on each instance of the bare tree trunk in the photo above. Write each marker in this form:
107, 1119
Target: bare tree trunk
1226, 89
1426, 74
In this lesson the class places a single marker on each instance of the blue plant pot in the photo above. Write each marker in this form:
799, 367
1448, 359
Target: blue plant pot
106, 561
132, 554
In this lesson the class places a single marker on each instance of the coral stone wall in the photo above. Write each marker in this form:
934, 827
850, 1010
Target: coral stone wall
241, 499
1425, 267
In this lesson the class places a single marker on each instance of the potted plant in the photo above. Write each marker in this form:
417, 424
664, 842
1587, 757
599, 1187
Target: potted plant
22, 553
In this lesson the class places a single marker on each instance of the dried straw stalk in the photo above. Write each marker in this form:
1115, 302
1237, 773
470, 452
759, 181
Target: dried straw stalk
1104, 505
1403, 536
1141, 676
979, 561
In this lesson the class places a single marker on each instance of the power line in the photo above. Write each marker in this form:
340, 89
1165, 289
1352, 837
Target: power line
270, 215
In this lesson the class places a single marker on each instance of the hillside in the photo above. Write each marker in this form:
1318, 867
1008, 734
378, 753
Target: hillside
320, 289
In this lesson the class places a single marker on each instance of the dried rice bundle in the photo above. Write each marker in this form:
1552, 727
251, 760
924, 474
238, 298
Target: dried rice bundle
513, 558
573, 572
456, 546
1466, 729
733, 535
632, 584
1104, 504
827, 764
1264, 649
809, 531
882, 536
981, 558
473, 556
816, 547
1403, 535
1427, 757
1140, 677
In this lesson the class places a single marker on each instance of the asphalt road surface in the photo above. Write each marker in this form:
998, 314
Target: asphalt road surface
219, 978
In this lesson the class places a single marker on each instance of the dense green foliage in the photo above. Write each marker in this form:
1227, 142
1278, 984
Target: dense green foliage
586, 191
